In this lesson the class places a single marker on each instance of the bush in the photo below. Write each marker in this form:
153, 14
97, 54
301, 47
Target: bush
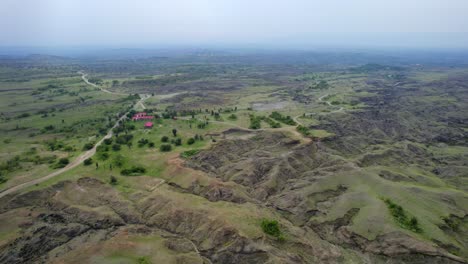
88, 146
190, 141
151, 144
61, 163
303, 130
177, 141
232, 117
285, 119
189, 153
118, 160
108, 141
400, 215
103, 155
142, 142
88, 161
133, 171
255, 122
164, 139
271, 227
165, 148
116, 147
113, 180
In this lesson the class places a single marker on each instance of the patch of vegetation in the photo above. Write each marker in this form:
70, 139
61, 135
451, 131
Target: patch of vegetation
133, 171
165, 148
402, 218
271, 122
272, 228
281, 118
113, 180
143, 260
88, 161
61, 163
255, 122
88, 146
303, 130
189, 153
190, 141
232, 117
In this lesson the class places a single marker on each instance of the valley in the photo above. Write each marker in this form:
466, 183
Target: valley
252, 158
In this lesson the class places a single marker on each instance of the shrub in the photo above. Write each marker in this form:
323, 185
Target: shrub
303, 130
232, 117
143, 260
189, 153
88, 161
255, 122
103, 155
164, 139
88, 146
151, 144
113, 180
165, 148
108, 141
177, 141
400, 215
142, 142
61, 163
271, 227
190, 141
133, 171
119, 160
116, 147
285, 119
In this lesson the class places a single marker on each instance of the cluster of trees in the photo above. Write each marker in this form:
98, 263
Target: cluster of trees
133, 171
303, 130
284, 119
255, 122
142, 142
62, 162
402, 218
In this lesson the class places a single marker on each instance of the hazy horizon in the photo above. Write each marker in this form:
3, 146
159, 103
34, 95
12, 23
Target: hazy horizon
297, 24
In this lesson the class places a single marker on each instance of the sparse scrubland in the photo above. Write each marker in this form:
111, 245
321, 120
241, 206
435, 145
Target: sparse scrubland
285, 158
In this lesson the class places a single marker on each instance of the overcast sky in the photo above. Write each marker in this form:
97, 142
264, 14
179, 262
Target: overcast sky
128, 23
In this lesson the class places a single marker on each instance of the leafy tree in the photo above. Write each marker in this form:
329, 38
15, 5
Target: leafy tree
113, 180
116, 147
88, 146
164, 139
108, 141
190, 141
271, 227
174, 132
177, 141
88, 161
165, 148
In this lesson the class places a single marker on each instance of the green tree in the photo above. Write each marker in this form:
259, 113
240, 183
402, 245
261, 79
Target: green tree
88, 161
165, 148
190, 141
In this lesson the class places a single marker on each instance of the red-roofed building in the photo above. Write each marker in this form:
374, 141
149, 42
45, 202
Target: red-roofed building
149, 125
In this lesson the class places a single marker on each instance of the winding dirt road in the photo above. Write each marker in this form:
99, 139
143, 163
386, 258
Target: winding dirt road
85, 79
76, 161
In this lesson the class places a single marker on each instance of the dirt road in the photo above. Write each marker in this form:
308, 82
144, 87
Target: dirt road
85, 79
76, 161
